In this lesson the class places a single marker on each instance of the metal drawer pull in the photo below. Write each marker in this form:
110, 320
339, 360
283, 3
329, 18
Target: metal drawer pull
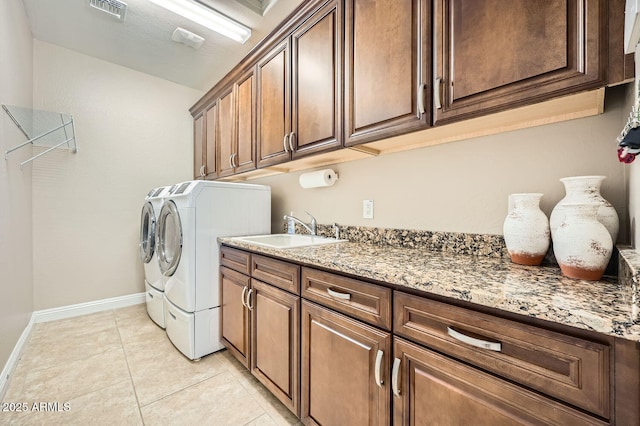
242, 298
292, 135
394, 377
421, 91
378, 371
249, 299
478, 343
284, 143
436, 93
338, 295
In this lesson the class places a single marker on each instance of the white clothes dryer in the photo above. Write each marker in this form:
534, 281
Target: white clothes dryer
153, 283
193, 216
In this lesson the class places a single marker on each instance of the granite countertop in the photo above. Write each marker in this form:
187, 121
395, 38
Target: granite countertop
606, 306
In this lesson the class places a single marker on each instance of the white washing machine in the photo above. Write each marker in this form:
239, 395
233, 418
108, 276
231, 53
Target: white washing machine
194, 214
153, 283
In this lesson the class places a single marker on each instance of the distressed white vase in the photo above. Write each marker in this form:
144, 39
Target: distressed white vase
526, 229
582, 244
585, 190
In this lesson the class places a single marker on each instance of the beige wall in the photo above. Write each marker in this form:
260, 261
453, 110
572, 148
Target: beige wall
134, 132
16, 281
463, 186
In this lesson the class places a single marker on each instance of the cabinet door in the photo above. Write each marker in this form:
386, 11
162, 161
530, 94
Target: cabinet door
316, 82
199, 146
210, 166
226, 133
274, 106
430, 388
235, 316
341, 361
492, 55
275, 342
245, 150
387, 60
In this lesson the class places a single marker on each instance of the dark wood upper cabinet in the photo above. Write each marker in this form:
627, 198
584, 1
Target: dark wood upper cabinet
299, 90
387, 68
493, 55
245, 89
236, 127
199, 146
204, 148
316, 90
226, 133
274, 106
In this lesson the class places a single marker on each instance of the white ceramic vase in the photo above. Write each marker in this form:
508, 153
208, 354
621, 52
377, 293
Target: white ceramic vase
526, 229
585, 190
582, 244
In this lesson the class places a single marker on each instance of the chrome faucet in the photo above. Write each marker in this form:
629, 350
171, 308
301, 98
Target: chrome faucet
311, 227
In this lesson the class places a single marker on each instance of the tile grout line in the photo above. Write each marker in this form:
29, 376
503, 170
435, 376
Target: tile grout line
126, 359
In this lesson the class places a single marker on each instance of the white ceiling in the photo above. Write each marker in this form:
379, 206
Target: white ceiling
143, 41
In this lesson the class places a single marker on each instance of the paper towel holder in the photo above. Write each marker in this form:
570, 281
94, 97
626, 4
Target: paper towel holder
317, 179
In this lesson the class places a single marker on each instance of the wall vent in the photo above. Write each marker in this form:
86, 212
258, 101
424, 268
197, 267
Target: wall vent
115, 8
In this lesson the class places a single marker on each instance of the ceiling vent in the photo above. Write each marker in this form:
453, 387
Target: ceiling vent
115, 8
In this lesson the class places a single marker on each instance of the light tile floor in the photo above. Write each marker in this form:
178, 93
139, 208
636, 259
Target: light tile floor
118, 368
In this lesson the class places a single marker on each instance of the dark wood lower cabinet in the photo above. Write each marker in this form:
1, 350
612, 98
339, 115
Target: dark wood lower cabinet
342, 361
235, 316
331, 362
275, 342
433, 389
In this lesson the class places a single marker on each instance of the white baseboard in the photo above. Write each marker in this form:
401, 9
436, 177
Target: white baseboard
62, 312
15, 355
70, 311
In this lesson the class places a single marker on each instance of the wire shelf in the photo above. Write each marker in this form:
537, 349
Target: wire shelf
42, 128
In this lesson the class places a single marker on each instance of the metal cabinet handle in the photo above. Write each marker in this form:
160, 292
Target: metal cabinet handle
338, 295
233, 159
436, 93
421, 93
202, 170
292, 136
249, 299
395, 372
243, 297
284, 142
478, 343
378, 370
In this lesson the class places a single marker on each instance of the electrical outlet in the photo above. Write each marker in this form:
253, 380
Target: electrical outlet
367, 209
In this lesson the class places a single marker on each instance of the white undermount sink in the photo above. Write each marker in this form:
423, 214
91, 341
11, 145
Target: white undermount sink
285, 241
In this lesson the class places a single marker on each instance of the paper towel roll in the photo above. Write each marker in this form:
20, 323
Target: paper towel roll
317, 179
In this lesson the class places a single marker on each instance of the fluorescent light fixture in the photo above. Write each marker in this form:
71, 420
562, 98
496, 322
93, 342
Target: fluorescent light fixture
208, 18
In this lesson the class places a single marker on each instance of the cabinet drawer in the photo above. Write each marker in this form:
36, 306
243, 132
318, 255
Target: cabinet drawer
365, 301
237, 260
281, 274
571, 369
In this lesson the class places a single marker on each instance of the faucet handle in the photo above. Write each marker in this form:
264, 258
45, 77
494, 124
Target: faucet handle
313, 219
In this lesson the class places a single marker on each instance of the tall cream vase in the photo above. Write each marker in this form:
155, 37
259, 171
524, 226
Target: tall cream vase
585, 190
526, 229
581, 243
